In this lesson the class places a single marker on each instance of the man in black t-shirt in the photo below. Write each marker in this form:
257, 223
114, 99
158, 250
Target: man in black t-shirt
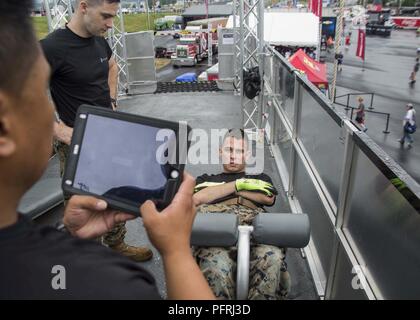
41, 262
83, 71
233, 191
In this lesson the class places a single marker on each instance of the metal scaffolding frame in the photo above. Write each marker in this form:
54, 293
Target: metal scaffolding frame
249, 52
58, 13
116, 40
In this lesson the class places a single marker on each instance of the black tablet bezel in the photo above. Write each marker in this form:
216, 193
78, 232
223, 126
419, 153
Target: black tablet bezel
77, 140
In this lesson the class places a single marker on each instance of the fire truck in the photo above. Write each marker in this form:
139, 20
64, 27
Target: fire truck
192, 47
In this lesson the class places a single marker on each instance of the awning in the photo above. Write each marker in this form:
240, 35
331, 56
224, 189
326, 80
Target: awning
315, 71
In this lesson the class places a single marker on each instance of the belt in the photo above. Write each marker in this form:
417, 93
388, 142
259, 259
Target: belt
240, 200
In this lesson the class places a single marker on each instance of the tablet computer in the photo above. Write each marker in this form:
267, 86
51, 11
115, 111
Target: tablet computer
125, 159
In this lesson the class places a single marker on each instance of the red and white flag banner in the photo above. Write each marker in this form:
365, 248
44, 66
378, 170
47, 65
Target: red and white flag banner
361, 44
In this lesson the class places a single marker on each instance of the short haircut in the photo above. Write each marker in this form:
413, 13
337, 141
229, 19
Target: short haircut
237, 134
99, 2
18, 44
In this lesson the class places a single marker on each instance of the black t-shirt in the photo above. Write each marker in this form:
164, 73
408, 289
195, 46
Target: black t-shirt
28, 254
229, 177
79, 72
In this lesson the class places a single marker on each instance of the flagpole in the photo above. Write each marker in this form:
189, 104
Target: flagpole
209, 37
364, 49
338, 33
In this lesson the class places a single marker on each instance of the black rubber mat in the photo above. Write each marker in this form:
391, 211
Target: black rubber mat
202, 86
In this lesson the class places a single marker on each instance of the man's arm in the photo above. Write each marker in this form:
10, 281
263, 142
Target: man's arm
112, 79
169, 231
62, 132
210, 194
257, 197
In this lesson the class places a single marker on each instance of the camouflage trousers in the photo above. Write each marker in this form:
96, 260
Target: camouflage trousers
268, 275
117, 234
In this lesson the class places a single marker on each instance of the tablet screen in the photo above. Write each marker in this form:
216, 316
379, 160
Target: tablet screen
124, 161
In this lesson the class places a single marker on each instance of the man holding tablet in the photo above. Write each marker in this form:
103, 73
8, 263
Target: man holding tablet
29, 254
83, 71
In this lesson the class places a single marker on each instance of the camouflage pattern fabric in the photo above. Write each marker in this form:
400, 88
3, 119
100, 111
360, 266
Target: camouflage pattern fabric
63, 151
116, 235
268, 275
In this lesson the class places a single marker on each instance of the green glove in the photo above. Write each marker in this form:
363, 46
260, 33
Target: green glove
203, 185
255, 185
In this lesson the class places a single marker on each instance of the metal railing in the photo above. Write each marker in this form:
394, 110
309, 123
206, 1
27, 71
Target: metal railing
369, 109
348, 95
363, 207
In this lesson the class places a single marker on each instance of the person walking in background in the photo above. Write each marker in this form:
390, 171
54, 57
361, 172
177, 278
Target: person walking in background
409, 125
330, 44
360, 114
413, 74
347, 41
412, 78
339, 58
417, 65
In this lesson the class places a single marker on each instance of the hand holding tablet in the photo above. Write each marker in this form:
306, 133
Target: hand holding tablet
125, 159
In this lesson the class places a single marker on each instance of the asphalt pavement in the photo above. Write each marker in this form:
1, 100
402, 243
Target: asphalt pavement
388, 64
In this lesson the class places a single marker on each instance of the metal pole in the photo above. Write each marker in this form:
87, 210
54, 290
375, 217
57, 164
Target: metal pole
241, 60
337, 50
297, 110
209, 37
348, 101
209, 45
69, 8
318, 49
386, 131
147, 12
126, 86
48, 12
261, 59
371, 102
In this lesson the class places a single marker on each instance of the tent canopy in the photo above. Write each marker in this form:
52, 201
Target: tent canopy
300, 29
315, 71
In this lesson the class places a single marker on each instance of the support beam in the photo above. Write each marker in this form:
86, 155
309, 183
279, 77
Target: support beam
248, 25
116, 40
58, 13
337, 47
